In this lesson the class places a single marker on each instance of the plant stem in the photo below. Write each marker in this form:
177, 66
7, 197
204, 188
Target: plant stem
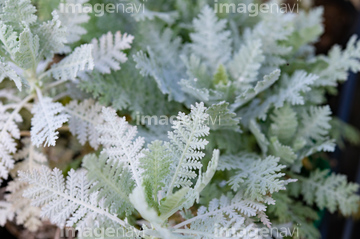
208, 235
54, 84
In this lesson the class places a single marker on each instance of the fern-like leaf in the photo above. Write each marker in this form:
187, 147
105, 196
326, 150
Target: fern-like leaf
293, 87
245, 66
9, 38
112, 181
66, 202
220, 117
6, 212
7, 72
186, 144
285, 153
156, 167
9, 132
284, 124
226, 212
339, 63
73, 21
163, 63
211, 42
272, 29
260, 86
52, 36
26, 214
261, 177
255, 176
315, 123
332, 191
84, 117
118, 139
48, 117
108, 53
28, 157
18, 12
28, 54
79, 60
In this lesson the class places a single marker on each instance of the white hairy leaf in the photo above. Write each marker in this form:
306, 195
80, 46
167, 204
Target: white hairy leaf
108, 51
84, 118
48, 117
79, 60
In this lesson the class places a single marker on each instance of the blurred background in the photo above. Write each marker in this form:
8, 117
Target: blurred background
342, 20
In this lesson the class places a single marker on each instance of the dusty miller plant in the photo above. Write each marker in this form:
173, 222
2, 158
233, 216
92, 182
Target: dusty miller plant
28, 45
253, 92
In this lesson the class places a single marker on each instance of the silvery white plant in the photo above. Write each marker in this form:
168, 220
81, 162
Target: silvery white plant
259, 79
27, 47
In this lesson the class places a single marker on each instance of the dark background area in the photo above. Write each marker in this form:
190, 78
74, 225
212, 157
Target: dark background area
342, 20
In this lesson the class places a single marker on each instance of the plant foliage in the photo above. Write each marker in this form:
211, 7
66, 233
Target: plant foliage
238, 104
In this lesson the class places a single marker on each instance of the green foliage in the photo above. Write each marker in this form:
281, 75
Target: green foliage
250, 90
162, 63
186, 143
111, 182
220, 117
19, 13
211, 42
156, 165
256, 177
7, 72
28, 46
9, 39
287, 209
28, 54
315, 123
68, 69
342, 131
284, 124
221, 76
52, 36
117, 181
330, 191
291, 89
247, 62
